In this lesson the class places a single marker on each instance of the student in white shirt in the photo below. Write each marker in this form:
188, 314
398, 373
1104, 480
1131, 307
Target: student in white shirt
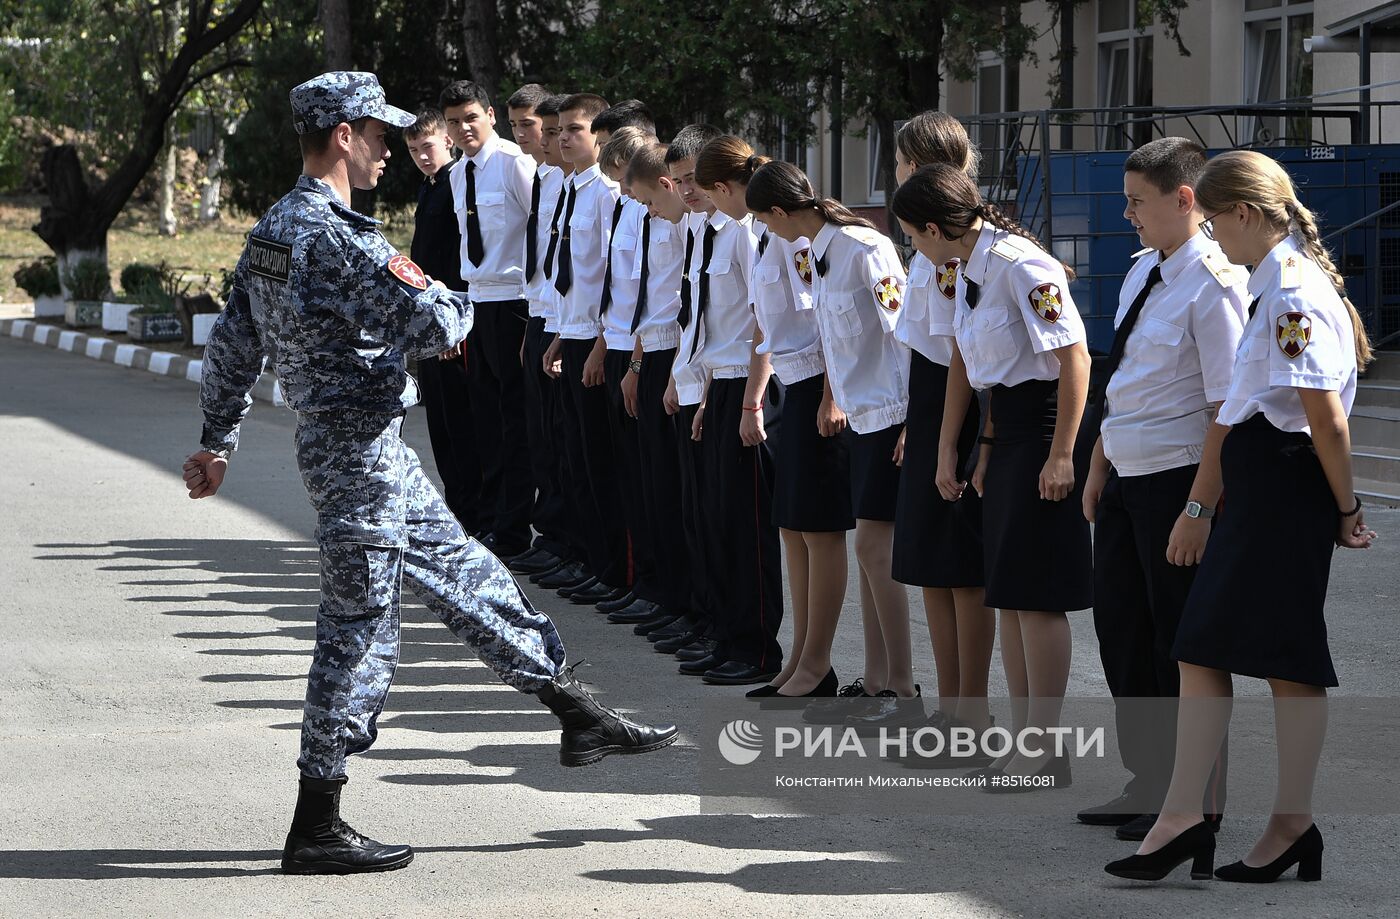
858, 290
737, 481
1256, 605
491, 185
1154, 481
1019, 335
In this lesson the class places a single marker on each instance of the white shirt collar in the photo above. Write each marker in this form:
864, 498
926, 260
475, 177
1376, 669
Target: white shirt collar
483, 156
976, 268
1186, 253
588, 175
823, 239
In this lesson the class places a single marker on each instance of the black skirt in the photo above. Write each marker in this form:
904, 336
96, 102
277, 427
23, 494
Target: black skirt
874, 475
937, 543
1256, 605
1037, 552
813, 489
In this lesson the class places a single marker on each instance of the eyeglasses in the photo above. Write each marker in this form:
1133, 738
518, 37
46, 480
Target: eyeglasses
1207, 228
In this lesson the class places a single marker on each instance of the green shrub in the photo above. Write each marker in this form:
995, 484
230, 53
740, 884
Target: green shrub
138, 276
88, 279
39, 278
157, 287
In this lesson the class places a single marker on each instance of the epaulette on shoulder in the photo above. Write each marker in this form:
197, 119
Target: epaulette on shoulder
1225, 274
1290, 274
1141, 252
866, 236
1008, 247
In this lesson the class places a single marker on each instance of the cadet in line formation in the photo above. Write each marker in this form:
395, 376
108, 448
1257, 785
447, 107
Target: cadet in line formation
635, 308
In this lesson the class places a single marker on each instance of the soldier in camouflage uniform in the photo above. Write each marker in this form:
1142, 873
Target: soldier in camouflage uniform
339, 311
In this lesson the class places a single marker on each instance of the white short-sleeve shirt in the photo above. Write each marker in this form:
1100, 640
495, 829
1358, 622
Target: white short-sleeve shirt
782, 300
1177, 360
658, 329
858, 289
626, 245
1300, 337
689, 375
588, 229
926, 321
1023, 311
503, 179
538, 289
727, 324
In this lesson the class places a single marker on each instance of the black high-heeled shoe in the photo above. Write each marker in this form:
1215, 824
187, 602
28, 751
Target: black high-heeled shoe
1306, 853
762, 692
1196, 843
823, 690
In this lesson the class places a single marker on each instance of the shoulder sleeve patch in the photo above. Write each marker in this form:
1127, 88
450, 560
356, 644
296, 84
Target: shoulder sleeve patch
269, 258
1293, 334
403, 268
1045, 300
888, 294
802, 262
948, 279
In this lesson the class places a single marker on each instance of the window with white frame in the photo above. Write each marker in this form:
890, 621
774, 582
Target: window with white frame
1125, 73
1276, 68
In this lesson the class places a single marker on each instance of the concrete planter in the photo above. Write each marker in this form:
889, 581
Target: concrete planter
154, 327
201, 324
48, 306
114, 315
81, 314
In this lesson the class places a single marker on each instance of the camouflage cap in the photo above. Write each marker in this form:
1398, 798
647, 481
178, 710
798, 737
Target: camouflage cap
342, 95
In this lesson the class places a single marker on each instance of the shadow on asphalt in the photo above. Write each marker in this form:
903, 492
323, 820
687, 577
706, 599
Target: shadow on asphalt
109, 864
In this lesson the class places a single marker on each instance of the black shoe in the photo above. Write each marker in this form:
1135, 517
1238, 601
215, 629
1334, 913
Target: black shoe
621, 603
1118, 812
851, 699
662, 619
1196, 844
501, 549
702, 666
568, 590
891, 712
826, 689
587, 596
534, 561
1306, 853
762, 692
321, 843
592, 730
1136, 830
672, 645
635, 612
571, 574
541, 575
1056, 769
676, 628
697, 651
738, 673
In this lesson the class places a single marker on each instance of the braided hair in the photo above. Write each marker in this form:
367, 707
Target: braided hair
783, 185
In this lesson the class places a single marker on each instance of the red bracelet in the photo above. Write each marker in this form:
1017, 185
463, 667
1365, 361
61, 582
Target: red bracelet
747, 409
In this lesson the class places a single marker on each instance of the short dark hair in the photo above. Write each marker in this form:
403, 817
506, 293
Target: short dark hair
590, 104
463, 92
689, 141
528, 96
315, 143
430, 121
630, 113
647, 164
1168, 163
549, 105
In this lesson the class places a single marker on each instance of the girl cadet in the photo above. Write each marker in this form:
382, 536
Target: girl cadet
938, 544
813, 531
742, 542
1019, 336
858, 288
1256, 606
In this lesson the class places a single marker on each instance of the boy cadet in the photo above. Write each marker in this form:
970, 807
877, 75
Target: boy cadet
320, 289
579, 266
1155, 477
443, 379
528, 109
629, 113
491, 186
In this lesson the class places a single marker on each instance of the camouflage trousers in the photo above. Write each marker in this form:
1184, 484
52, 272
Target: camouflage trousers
379, 521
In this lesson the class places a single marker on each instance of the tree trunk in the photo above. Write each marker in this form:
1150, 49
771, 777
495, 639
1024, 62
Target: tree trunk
335, 25
479, 18
169, 222
209, 196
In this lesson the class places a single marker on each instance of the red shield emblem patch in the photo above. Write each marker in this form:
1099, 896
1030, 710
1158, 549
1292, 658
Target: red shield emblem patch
802, 261
888, 294
402, 267
1045, 300
948, 279
1294, 333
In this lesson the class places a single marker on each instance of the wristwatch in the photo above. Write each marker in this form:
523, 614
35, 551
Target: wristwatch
1195, 509
635, 367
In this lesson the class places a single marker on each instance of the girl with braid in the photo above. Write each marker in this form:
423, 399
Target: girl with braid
1019, 337
1256, 605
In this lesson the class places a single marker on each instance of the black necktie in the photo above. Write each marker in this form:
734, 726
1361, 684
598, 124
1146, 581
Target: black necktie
607, 275
1120, 338
532, 230
971, 291
762, 243
1253, 305
642, 280
475, 250
564, 271
821, 266
702, 296
554, 231
684, 316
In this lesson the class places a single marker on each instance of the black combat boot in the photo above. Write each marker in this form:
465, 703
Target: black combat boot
321, 843
591, 730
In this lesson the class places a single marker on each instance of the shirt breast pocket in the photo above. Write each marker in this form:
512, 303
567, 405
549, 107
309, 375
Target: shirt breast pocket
724, 280
1161, 355
491, 209
584, 238
845, 316
768, 293
993, 335
916, 291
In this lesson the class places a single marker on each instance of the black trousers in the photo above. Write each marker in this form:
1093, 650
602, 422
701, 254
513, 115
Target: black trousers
451, 430
661, 483
544, 430
627, 451
701, 601
1138, 600
498, 398
594, 476
742, 550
